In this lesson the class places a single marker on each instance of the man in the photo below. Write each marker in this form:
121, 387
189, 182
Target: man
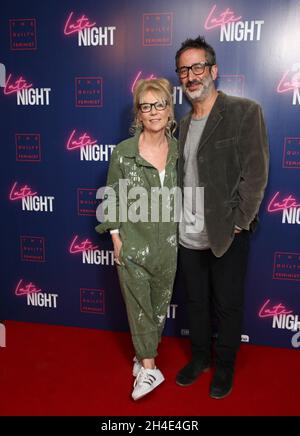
223, 150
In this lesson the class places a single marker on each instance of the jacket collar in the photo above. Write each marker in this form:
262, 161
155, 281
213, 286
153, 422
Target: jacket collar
132, 150
214, 117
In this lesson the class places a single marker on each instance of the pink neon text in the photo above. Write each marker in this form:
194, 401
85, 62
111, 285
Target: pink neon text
224, 18
83, 246
80, 24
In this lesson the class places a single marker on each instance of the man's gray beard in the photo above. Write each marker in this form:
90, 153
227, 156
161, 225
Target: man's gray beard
200, 94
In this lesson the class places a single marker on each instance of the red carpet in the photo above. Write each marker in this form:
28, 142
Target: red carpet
54, 370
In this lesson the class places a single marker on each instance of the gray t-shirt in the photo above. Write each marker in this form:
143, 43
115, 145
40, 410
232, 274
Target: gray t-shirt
192, 231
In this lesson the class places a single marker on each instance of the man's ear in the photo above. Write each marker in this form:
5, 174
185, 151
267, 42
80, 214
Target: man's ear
214, 71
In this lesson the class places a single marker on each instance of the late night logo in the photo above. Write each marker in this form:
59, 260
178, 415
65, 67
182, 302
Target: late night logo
35, 296
90, 253
287, 322
26, 94
282, 317
89, 148
157, 29
290, 83
88, 33
30, 200
232, 27
28, 147
269, 310
289, 206
22, 34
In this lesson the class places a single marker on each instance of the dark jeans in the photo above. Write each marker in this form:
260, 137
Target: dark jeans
215, 284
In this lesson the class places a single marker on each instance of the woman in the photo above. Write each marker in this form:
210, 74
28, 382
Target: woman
145, 246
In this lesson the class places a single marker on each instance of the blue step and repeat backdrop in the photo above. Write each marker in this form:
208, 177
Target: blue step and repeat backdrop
66, 75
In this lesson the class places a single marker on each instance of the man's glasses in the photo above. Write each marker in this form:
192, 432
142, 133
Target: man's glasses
147, 107
197, 69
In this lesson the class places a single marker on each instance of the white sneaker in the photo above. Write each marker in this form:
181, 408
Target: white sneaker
136, 367
146, 381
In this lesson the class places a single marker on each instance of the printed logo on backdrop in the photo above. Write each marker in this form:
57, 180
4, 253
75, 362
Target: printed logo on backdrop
30, 200
88, 33
35, 296
22, 34
286, 266
290, 83
90, 253
291, 153
232, 26
86, 201
269, 310
88, 92
26, 93
172, 311
157, 28
286, 205
32, 248
177, 90
232, 84
28, 147
283, 318
92, 301
286, 322
89, 148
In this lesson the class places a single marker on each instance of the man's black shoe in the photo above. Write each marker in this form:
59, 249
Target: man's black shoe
189, 374
222, 381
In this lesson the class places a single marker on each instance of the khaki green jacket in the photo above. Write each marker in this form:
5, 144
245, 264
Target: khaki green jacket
140, 237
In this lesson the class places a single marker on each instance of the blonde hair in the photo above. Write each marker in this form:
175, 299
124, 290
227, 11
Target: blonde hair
162, 88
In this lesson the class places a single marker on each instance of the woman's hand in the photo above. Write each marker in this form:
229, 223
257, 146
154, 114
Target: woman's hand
117, 247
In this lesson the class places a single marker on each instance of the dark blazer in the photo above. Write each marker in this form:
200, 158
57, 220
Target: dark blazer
233, 162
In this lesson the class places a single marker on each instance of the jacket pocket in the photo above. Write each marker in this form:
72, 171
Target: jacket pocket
223, 143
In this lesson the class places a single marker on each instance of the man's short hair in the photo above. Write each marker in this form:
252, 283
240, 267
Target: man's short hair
198, 43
